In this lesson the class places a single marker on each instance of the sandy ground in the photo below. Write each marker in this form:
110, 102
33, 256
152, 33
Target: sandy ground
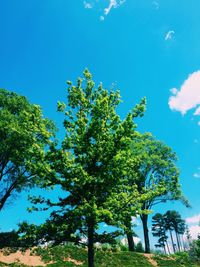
22, 257
150, 259
28, 259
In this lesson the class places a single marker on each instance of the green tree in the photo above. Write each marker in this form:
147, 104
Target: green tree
24, 134
93, 161
194, 251
139, 247
156, 169
175, 223
159, 230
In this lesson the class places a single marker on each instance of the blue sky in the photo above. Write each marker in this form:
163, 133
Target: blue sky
144, 48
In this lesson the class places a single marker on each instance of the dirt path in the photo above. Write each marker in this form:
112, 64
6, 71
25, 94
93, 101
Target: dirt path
150, 259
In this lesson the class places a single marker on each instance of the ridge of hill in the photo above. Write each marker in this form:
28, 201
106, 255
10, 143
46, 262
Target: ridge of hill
71, 256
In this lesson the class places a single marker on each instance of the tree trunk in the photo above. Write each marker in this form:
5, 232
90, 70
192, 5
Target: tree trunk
131, 245
168, 247
178, 243
90, 245
165, 249
173, 245
183, 243
144, 218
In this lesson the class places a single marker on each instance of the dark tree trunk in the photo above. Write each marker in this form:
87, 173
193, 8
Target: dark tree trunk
90, 245
144, 218
131, 245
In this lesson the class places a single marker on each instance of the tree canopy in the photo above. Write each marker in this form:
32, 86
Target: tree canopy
156, 169
24, 134
93, 162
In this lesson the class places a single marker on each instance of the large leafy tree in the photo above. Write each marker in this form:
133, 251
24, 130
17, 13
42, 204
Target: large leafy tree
24, 134
156, 170
94, 160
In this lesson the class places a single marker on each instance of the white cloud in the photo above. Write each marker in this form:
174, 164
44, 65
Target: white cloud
193, 220
194, 231
197, 112
196, 175
174, 91
113, 4
188, 97
194, 225
135, 239
135, 221
102, 18
169, 35
87, 5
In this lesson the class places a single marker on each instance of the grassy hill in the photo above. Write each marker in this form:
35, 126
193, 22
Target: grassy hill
61, 256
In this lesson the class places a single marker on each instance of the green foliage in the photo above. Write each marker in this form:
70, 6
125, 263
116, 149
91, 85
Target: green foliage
170, 221
55, 230
24, 134
157, 175
103, 258
93, 163
139, 247
9, 239
180, 259
194, 251
156, 169
59, 256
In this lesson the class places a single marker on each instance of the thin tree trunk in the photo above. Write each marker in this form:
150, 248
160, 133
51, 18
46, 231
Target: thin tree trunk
183, 242
168, 247
144, 218
91, 245
131, 245
178, 243
173, 245
165, 249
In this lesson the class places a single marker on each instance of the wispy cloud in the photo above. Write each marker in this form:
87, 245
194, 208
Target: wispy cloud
194, 226
112, 4
188, 97
169, 35
197, 174
87, 5
102, 18
193, 220
194, 231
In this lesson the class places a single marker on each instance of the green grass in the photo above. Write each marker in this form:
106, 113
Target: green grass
58, 255
102, 258
178, 260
